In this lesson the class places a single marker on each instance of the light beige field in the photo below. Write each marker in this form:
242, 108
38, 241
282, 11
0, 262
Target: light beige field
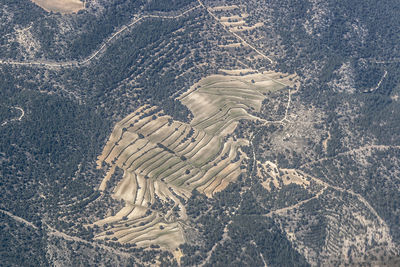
240, 28
232, 45
165, 160
62, 6
224, 8
233, 23
233, 17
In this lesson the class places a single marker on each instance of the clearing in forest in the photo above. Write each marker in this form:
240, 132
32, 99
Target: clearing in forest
62, 6
164, 160
224, 8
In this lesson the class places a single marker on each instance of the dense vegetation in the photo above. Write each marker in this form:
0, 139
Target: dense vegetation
21, 245
159, 5
237, 244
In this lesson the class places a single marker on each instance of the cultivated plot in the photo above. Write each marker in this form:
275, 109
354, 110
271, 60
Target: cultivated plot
165, 160
62, 6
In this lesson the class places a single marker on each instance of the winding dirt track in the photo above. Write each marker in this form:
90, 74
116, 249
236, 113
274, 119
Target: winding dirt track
395, 60
101, 50
54, 232
297, 205
379, 83
360, 149
360, 198
19, 219
15, 119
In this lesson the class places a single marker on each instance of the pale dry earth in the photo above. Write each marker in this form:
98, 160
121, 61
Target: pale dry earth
164, 160
62, 6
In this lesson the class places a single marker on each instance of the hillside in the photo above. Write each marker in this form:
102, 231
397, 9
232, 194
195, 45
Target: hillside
197, 132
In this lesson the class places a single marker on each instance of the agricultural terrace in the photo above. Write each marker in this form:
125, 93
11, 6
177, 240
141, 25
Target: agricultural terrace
164, 160
62, 6
235, 19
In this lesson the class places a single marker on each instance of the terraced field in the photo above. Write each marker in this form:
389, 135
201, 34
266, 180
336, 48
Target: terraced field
164, 160
341, 227
62, 6
234, 19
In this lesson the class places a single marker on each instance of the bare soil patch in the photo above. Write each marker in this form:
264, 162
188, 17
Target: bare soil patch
62, 6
